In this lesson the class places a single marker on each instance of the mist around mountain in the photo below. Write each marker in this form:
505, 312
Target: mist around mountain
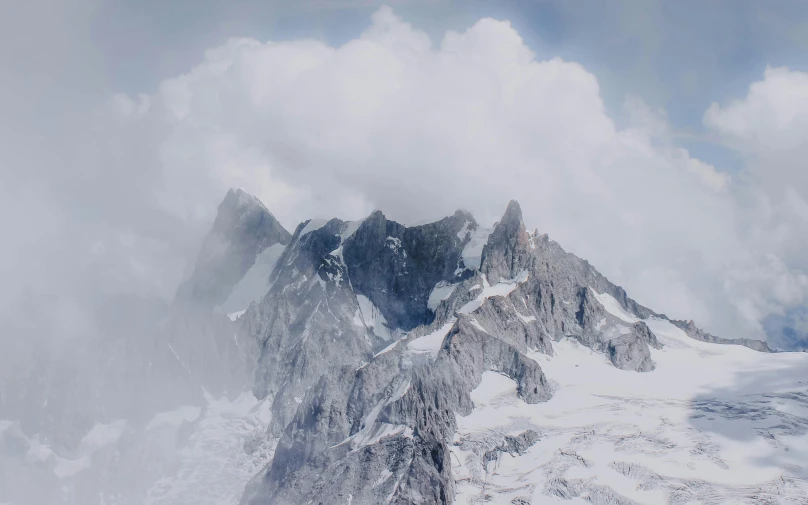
370, 362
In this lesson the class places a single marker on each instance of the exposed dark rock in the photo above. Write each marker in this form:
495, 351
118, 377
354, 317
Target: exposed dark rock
397, 267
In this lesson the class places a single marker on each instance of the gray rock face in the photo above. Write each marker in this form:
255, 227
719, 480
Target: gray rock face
508, 247
514, 320
345, 415
558, 294
242, 230
468, 352
626, 345
397, 267
309, 323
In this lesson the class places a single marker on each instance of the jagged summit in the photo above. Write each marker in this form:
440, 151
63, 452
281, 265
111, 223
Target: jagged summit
242, 230
241, 212
513, 213
464, 214
240, 198
508, 247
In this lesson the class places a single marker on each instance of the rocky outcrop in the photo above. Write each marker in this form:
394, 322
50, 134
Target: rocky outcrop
514, 320
508, 249
515, 446
556, 297
698, 334
631, 350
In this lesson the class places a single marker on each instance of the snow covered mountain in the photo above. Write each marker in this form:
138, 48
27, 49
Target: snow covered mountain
369, 362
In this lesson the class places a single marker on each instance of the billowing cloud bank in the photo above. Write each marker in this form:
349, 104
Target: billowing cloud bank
418, 128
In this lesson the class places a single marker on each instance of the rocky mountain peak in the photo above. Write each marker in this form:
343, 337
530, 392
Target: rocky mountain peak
508, 249
243, 228
513, 214
464, 214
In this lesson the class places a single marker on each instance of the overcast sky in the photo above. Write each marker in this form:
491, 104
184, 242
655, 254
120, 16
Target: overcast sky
663, 141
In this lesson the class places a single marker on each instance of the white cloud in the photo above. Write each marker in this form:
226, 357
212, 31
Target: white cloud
770, 127
391, 120
772, 118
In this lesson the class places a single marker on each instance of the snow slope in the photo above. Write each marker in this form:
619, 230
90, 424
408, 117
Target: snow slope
189, 455
712, 424
254, 285
225, 449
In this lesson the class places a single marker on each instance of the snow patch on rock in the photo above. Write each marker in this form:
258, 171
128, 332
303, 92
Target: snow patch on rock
442, 291
313, 225
473, 252
502, 288
430, 344
373, 318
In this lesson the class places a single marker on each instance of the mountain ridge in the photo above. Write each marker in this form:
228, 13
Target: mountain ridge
370, 362
367, 283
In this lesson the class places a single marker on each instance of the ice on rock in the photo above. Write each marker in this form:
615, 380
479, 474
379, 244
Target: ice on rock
373, 318
614, 308
440, 292
472, 253
312, 225
502, 288
430, 343
255, 283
